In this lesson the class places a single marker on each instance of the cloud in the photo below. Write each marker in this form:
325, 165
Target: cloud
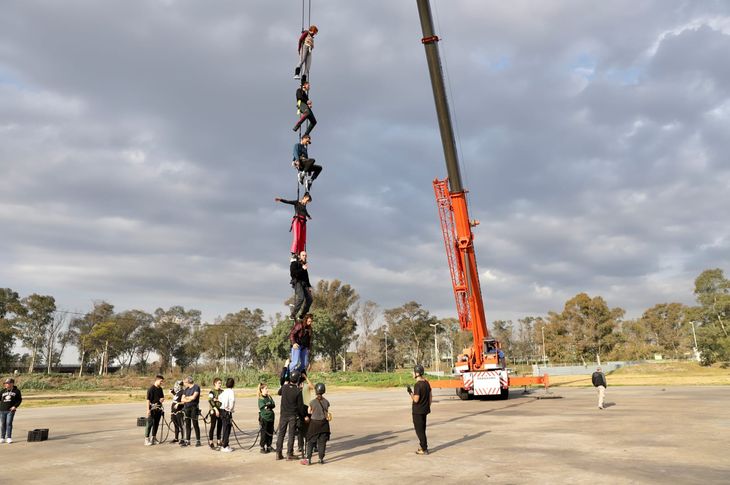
142, 144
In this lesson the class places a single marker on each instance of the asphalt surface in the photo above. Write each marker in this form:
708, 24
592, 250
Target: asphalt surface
645, 435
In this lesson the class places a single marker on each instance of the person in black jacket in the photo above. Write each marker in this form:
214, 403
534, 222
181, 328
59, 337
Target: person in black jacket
299, 272
291, 407
10, 399
298, 226
599, 382
304, 109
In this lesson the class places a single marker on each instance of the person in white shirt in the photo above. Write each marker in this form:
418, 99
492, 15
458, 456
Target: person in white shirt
227, 399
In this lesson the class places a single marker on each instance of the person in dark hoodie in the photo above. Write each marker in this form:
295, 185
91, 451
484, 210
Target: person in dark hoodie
10, 399
291, 408
298, 226
299, 272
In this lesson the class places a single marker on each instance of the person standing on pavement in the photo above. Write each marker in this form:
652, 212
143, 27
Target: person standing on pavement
421, 407
599, 382
155, 398
227, 407
266, 417
191, 402
176, 411
291, 409
10, 399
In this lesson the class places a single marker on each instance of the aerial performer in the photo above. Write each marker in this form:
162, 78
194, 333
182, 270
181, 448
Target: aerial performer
298, 226
304, 109
306, 46
299, 271
307, 168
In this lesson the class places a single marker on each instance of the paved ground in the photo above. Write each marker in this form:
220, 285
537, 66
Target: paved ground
646, 435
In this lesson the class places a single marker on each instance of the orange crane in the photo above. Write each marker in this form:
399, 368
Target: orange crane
480, 370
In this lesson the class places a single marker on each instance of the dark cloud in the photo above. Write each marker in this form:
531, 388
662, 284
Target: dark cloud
142, 144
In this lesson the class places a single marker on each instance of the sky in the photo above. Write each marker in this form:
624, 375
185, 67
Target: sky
142, 144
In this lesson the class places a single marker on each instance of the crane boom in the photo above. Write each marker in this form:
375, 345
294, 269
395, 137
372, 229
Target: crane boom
453, 207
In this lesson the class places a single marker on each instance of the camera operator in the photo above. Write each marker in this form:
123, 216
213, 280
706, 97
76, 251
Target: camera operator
155, 398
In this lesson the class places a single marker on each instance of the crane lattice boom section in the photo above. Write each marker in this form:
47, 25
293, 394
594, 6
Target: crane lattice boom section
453, 255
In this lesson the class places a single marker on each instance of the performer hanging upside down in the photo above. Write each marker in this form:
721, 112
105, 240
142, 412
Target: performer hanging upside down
306, 46
304, 109
305, 165
298, 226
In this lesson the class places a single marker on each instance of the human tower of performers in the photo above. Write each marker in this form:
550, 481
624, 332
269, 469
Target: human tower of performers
306, 423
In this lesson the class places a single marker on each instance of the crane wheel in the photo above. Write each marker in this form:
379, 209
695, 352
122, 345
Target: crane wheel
504, 394
463, 394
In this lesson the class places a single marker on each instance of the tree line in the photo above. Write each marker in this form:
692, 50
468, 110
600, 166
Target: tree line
350, 334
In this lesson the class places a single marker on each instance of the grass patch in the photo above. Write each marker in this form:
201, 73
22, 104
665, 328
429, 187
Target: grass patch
655, 374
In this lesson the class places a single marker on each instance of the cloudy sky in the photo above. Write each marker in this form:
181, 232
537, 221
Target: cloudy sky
142, 144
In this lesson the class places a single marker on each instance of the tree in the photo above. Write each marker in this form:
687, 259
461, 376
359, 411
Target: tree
38, 315
712, 290
502, 330
54, 331
236, 335
134, 327
10, 310
80, 330
457, 340
274, 347
367, 350
172, 328
586, 326
667, 326
409, 327
335, 305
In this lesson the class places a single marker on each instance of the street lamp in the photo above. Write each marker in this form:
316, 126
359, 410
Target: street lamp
225, 353
435, 345
694, 336
544, 355
386, 349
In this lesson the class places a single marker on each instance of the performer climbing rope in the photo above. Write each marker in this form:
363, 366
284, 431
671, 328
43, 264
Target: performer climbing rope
298, 226
304, 109
305, 48
307, 168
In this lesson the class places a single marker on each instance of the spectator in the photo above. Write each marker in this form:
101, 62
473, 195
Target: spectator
215, 415
599, 382
176, 410
291, 409
421, 407
191, 403
266, 417
155, 398
227, 407
10, 399
319, 425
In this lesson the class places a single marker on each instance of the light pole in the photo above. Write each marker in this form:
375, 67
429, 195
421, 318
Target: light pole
386, 350
225, 352
435, 345
694, 336
544, 355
